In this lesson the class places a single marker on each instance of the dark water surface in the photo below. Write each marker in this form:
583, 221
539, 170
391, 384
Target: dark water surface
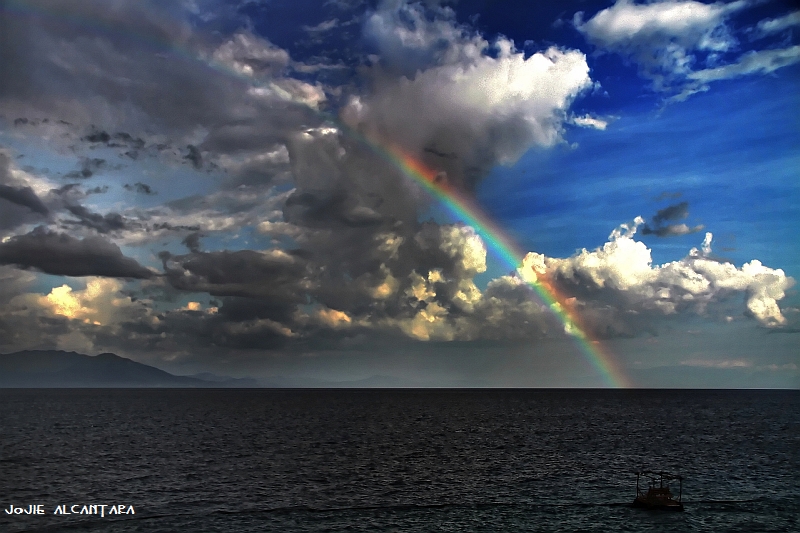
397, 460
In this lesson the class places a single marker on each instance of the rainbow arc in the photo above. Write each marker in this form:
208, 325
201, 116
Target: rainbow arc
465, 209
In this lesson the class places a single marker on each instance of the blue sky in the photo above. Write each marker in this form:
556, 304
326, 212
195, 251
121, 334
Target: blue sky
197, 187
735, 165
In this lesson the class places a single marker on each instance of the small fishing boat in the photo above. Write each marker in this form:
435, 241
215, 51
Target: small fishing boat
658, 495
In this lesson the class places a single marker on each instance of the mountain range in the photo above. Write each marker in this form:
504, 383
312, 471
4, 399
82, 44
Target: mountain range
55, 368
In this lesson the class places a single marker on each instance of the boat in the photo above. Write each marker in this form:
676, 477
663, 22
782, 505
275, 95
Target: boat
658, 494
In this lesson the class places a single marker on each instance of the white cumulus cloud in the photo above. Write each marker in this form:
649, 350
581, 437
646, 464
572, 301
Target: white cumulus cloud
621, 273
678, 44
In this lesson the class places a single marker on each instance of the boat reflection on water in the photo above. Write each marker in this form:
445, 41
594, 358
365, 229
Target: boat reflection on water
658, 495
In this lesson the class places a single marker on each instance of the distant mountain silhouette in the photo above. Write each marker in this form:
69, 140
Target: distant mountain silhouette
304, 382
225, 381
53, 368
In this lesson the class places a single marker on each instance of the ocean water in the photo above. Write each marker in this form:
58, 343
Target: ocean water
396, 460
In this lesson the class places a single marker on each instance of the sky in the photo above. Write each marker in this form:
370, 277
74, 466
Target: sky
447, 194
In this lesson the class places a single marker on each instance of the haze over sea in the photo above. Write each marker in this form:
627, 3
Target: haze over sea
398, 460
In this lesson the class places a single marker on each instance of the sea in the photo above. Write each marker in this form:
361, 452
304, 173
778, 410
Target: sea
395, 460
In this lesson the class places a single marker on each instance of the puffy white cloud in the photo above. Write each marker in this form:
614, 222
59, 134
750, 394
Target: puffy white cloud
621, 274
588, 121
99, 303
466, 104
667, 40
629, 27
466, 117
462, 245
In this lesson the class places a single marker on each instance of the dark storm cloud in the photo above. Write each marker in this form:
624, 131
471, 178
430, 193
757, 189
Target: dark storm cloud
100, 223
276, 276
321, 210
194, 156
264, 168
192, 242
140, 188
98, 137
671, 230
18, 201
23, 196
677, 211
341, 182
61, 254
129, 78
89, 166
120, 139
672, 212
243, 323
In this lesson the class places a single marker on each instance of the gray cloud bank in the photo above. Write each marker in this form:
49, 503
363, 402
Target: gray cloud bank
61, 254
327, 248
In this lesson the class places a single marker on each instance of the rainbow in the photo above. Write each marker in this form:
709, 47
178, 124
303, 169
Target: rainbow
459, 205
465, 209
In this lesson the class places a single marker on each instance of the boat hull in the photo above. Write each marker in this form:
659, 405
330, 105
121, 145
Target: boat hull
658, 506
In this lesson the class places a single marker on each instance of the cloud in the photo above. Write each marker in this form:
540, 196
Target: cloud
412, 37
61, 254
192, 241
20, 199
89, 167
148, 83
672, 40
477, 103
670, 213
273, 275
754, 62
93, 317
673, 212
217, 212
671, 230
194, 156
628, 25
100, 223
710, 363
769, 26
251, 55
588, 121
660, 37
96, 304
139, 187
621, 275
264, 167
23, 196
338, 252
323, 26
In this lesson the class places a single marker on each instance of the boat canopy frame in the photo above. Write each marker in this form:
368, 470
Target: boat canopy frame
656, 493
